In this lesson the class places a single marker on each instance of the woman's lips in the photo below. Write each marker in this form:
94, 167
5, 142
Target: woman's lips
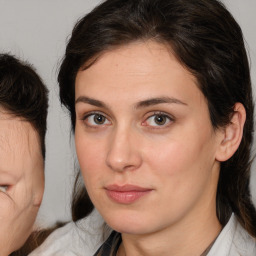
126, 194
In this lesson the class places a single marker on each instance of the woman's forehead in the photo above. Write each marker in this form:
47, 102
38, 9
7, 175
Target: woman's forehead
137, 72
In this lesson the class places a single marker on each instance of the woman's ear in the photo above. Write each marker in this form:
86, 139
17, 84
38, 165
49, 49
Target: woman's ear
232, 134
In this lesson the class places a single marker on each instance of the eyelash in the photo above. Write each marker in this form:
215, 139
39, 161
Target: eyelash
167, 118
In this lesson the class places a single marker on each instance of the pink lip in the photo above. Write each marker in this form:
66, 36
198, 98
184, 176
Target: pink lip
126, 194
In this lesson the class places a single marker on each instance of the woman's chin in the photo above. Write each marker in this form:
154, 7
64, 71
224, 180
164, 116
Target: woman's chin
129, 225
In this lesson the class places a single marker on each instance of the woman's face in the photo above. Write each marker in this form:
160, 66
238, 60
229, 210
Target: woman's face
144, 140
21, 181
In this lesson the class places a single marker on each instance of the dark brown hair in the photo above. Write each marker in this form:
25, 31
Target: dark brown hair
23, 94
208, 41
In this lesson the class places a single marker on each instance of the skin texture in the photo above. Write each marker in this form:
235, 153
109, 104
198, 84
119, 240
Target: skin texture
21, 169
177, 160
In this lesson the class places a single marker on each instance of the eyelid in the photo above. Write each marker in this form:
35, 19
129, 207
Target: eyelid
93, 112
90, 113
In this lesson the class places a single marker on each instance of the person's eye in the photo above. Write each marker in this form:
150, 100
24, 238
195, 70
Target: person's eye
96, 119
3, 188
158, 120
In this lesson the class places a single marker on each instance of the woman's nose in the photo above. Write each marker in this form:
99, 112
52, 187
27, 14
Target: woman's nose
123, 152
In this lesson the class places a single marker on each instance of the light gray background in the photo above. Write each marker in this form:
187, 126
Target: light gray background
37, 31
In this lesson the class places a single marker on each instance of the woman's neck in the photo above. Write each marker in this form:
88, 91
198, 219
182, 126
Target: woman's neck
190, 236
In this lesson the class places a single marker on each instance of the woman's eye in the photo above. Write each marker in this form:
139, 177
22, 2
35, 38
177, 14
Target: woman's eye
158, 120
3, 188
96, 120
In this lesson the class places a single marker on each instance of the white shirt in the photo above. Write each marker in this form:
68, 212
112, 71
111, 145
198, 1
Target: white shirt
233, 241
83, 239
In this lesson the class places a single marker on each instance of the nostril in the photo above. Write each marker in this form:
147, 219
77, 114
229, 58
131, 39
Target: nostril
125, 162
116, 164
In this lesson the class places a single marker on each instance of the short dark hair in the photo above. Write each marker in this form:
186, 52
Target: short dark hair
23, 94
207, 40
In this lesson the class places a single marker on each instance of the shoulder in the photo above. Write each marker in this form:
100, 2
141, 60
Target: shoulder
243, 243
80, 238
234, 241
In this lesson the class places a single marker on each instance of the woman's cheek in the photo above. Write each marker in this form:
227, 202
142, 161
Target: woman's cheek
167, 156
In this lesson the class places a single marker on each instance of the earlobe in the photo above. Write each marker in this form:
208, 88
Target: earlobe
232, 134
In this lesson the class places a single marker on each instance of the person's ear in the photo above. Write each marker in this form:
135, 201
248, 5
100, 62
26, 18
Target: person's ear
232, 134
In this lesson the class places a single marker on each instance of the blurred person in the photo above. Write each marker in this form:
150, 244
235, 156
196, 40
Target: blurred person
23, 112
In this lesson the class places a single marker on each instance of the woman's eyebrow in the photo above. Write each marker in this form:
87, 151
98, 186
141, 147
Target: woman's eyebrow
159, 100
91, 101
141, 104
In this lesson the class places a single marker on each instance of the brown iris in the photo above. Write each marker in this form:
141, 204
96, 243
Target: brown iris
160, 119
99, 119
